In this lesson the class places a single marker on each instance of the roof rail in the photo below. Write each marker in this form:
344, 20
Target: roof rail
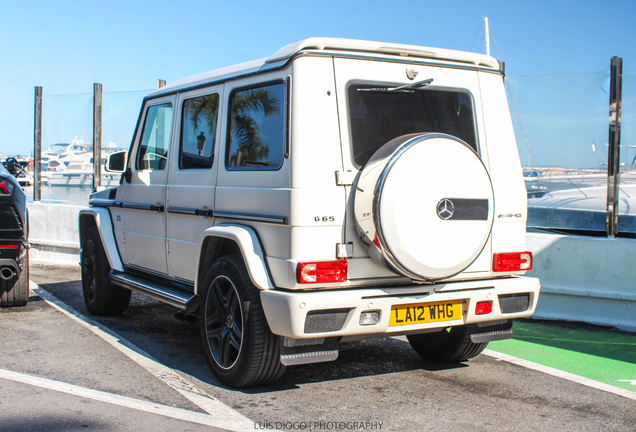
325, 44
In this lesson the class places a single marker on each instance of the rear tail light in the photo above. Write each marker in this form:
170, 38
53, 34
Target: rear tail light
483, 307
8, 246
321, 272
6, 188
516, 261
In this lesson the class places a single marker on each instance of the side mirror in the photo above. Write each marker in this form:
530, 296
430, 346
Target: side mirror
116, 162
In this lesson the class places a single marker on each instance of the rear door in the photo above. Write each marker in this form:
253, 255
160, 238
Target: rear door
143, 191
192, 182
371, 115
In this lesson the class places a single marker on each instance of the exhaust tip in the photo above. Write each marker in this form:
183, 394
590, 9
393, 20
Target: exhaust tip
7, 273
187, 317
191, 318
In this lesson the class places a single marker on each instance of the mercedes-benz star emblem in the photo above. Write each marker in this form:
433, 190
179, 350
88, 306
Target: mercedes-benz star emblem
445, 209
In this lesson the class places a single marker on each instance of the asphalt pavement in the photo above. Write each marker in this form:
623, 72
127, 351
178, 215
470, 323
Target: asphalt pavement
61, 369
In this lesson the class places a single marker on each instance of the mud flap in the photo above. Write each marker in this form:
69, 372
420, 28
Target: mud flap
492, 331
304, 351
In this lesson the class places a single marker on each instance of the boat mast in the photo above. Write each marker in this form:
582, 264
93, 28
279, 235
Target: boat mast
487, 36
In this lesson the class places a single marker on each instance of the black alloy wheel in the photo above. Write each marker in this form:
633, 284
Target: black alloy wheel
224, 322
241, 349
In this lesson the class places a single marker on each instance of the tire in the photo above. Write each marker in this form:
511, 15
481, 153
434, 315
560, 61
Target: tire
447, 346
100, 296
18, 294
240, 347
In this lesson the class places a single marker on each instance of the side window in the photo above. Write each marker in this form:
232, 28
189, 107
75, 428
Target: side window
198, 132
155, 140
256, 136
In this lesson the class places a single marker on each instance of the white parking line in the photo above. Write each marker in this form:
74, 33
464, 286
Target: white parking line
110, 398
561, 374
225, 417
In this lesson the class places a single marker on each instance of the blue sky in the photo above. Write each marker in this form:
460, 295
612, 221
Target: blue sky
66, 46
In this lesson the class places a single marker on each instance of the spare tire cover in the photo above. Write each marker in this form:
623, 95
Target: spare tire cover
424, 205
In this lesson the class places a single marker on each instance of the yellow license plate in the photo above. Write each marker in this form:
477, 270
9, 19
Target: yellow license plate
422, 313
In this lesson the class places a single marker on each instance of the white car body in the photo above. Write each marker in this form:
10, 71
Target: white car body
170, 224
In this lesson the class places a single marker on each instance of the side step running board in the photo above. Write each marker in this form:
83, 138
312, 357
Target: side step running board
176, 298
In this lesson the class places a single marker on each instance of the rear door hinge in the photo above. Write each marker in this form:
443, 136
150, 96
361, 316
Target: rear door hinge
344, 178
344, 250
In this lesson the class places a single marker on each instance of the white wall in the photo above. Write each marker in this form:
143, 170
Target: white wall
585, 279
54, 233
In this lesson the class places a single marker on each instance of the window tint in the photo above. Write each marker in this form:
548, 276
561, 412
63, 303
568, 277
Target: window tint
257, 128
198, 132
379, 116
155, 141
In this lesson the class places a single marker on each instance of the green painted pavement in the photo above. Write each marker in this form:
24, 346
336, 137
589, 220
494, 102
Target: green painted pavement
592, 352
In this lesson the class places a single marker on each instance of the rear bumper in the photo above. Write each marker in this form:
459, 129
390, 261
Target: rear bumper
287, 311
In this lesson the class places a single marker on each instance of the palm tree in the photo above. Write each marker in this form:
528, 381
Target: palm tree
204, 108
246, 132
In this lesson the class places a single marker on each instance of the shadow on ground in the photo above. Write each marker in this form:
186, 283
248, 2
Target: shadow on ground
358, 359
153, 327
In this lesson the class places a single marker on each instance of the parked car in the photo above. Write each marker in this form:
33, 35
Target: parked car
14, 250
334, 191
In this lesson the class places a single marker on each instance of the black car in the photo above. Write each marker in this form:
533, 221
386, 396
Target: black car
14, 251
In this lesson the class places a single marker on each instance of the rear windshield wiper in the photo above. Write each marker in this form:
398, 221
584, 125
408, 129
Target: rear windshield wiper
409, 88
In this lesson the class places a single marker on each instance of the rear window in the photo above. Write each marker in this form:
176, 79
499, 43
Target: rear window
377, 116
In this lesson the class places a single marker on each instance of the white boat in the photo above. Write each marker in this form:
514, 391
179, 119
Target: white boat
580, 202
74, 166
52, 153
79, 172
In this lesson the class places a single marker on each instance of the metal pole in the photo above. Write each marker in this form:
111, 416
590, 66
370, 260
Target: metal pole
37, 146
614, 141
97, 136
161, 83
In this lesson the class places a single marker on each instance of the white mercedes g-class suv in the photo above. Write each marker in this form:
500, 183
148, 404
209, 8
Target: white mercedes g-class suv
336, 190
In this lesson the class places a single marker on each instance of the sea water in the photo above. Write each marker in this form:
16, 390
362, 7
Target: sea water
72, 195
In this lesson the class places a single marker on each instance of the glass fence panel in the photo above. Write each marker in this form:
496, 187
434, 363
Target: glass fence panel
120, 113
67, 141
561, 128
627, 194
